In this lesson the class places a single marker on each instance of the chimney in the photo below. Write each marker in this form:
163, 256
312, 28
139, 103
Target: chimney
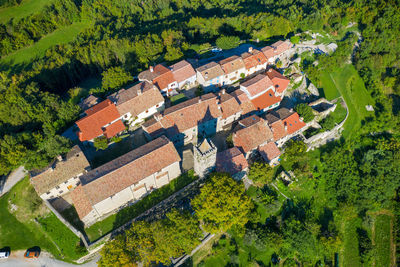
223, 91
285, 125
59, 158
139, 91
80, 135
151, 69
301, 118
250, 49
291, 110
157, 116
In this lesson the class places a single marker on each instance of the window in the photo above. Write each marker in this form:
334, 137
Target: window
61, 192
65, 182
57, 187
48, 193
147, 111
157, 105
126, 116
69, 187
290, 124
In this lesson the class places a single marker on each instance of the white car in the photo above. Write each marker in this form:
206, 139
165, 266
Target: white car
4, 255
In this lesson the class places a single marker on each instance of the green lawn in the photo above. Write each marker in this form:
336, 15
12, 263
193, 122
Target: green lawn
349, 84
28, 54
105, 226
19, 231
176, 99
350, 254
26, 8
382, 240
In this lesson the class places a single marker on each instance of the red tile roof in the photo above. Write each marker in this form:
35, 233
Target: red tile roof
122, 172
257, 85
280, 82
164, 80
229, 105
253, 136
182, 71
245, 104
268, 52
97, 117
113, 129
276, 48
269, 151
278, 129
137, 99
253, 59
232, 64
231, 161
265, 100
293, 123
160, 75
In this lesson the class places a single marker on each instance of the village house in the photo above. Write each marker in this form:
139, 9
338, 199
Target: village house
210, 76
232, 161
88, 102
285, 124
280, 82
253, 132
273, 52
101, 119
138, 102
254, 61
200, 116
260, 91
161, 76
233, 68
184, 74
270, 153
125, 179
61, 176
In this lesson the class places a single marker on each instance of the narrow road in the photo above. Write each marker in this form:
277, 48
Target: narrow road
45, 260
13, 178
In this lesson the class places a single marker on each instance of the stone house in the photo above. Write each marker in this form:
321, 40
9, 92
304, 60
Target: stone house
285, 124
254, 60
210, 76
232, 161
101, 119
184, 74
160, 76
138, 102
270, 153
253, 132
233, 68
280, 82
125, 179
62, 176
276, 50
201, 116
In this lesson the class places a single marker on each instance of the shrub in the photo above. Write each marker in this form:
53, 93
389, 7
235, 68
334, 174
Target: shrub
261, 172
328, 123
295, 39
114, 78
227, 42
100, 143
305, 111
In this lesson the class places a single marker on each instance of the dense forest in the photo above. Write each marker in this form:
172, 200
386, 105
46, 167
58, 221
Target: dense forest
348, 179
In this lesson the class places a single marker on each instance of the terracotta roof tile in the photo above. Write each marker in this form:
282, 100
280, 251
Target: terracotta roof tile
278, 130
245, 104
182, 71
293, 123
276, 48
152, 73
257, 85
113, 129
97, 117
81, 201
232, 64
58, 172
265, 100
247, 122
253, 59
210, 71
229, 105
122, 172
269, 151
251, 137
231, 161
137, 99
280, 82
88, 102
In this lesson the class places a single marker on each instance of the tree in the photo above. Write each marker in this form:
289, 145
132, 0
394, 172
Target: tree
114, 78
100, 142
227, 42
305, 111
261, 173
222, 204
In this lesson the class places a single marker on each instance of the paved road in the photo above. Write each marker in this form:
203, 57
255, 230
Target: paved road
11, 180
17, 260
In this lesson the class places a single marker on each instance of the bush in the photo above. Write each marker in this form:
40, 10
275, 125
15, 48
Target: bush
100, 143
328, 123
305, 111
114, 78
295, 39
261, 173
227, 42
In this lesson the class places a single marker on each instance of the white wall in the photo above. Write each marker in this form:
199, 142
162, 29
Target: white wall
233, 76
62, 188
191, 81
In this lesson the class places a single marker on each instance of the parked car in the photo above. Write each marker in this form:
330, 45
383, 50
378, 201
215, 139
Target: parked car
4, 254
32, 254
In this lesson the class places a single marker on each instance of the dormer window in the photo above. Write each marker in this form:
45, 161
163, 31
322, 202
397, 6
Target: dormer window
270, 94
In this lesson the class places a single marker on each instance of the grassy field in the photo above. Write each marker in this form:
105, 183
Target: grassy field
26, 222
350, 254
26, 8
105, 226
382, 240
348, 83
37, 50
